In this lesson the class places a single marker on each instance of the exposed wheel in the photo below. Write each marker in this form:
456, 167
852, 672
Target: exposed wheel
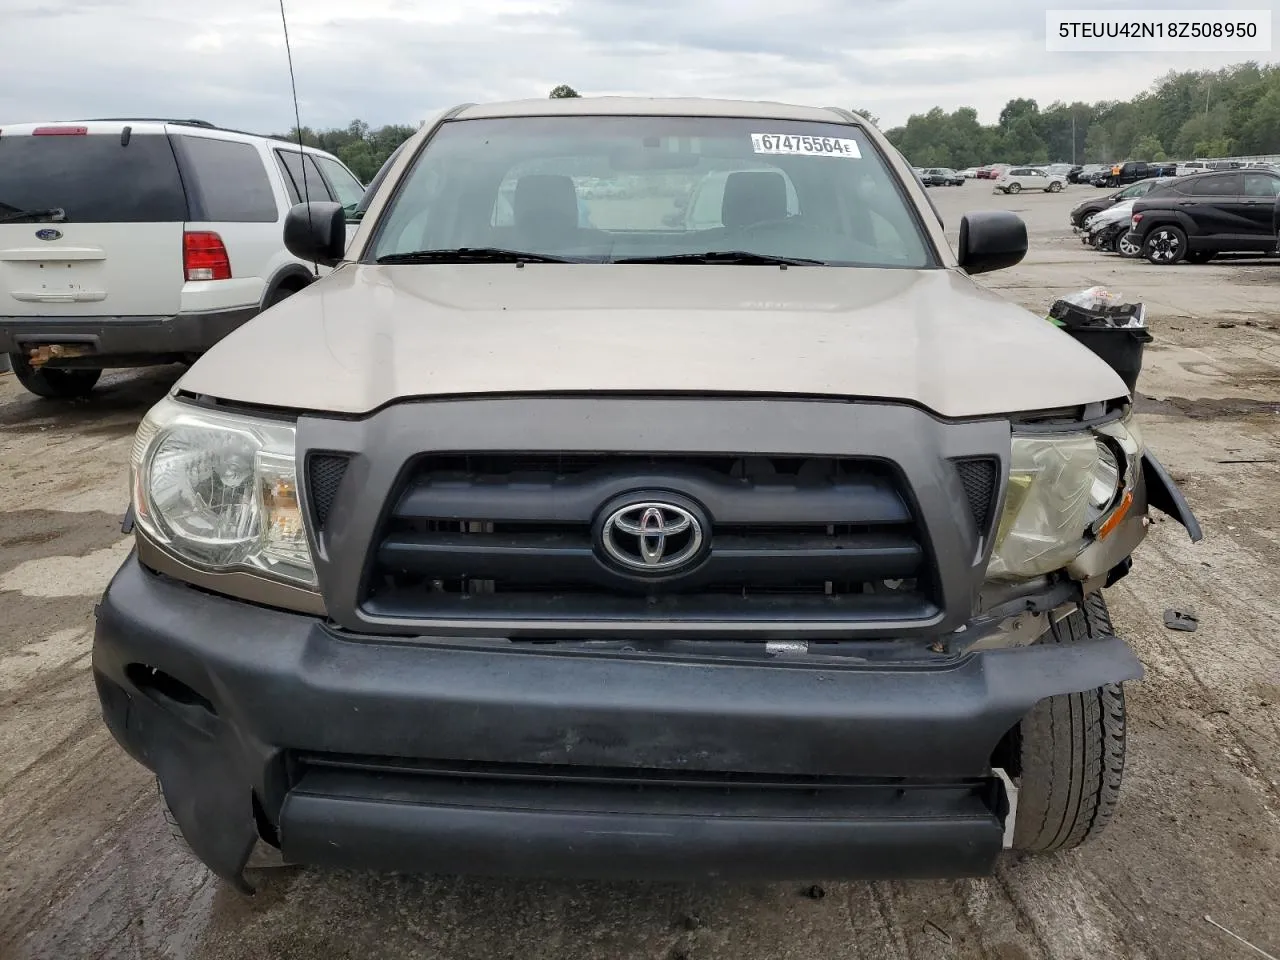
1199, 256
1055, 186
280, 293
1070, 752
1165, 245
1126, 247
52, 383
1014, 188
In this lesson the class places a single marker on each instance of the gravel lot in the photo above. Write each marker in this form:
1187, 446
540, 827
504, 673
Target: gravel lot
87, 869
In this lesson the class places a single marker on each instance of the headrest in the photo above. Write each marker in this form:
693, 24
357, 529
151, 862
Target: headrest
753, 197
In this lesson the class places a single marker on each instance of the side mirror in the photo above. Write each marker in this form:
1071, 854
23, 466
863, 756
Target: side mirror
991, 240
316, 232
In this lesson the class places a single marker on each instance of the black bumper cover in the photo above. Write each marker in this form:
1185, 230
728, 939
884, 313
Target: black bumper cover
442, 757
127, 336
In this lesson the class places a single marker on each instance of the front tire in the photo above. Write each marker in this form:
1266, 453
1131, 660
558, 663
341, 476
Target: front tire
1070, 752
1165, 245
1014, 188
53, 384
1055, 187
1127, 248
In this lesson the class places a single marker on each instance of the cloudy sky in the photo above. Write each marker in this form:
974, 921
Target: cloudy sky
390, 61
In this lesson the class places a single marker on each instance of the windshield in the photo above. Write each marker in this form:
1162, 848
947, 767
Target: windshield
602, 189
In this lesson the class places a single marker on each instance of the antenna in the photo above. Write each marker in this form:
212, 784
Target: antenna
297, 126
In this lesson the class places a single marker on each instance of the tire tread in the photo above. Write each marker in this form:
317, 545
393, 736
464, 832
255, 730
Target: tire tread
1072, 752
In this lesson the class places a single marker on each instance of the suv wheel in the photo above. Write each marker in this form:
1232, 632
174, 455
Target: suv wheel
1070, 752
1055, 186
1165, 245
1014, 187
53, 384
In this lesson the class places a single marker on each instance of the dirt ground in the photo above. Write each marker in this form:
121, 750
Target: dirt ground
87, 869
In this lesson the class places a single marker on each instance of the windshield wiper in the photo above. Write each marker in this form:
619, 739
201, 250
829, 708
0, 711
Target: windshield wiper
726, 256
54, 214
471, 255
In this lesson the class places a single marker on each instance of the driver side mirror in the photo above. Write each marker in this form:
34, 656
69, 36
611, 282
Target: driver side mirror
991, 240
316, 232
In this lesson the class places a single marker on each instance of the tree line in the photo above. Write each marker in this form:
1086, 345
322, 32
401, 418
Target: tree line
364, 148
1234, 111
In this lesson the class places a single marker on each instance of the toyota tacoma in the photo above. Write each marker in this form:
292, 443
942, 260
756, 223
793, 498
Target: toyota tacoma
760, 546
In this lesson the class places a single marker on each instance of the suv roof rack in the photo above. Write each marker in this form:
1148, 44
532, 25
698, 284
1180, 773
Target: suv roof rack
188, 122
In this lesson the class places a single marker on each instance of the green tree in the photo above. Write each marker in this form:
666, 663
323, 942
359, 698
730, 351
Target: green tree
1015, 109
563, 91
867, 115
1022, 144
1148, 147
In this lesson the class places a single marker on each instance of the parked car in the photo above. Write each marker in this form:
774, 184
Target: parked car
1206, 214
427, 580
1073, 175
941, 177
133, 242
1018, 179
969, 173
1131, 171
1109, 230
1081, 212
1189, 167
1058, 169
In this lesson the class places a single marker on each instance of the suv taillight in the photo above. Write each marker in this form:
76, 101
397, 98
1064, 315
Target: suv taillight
1137, 219
204, 257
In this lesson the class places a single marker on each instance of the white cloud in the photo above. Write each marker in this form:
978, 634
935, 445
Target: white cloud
400, 60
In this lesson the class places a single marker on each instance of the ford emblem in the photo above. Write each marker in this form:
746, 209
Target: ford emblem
48, 233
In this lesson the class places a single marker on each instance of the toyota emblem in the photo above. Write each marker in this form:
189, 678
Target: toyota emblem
652, 536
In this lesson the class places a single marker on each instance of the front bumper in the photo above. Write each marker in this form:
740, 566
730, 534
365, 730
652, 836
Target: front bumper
163, 336
492, 757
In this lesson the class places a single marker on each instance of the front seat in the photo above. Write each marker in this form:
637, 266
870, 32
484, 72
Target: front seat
545, 212
752, 197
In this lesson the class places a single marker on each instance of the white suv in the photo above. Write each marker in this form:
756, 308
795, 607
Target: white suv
1017, 179
132, 242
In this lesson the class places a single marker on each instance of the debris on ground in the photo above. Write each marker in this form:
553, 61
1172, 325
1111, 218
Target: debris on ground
1184, 620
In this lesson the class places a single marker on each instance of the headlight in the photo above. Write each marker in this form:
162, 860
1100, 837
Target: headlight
221, 492
1062, 490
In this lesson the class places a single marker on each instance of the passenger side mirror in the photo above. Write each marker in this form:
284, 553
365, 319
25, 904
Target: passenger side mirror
316, 232
991, 240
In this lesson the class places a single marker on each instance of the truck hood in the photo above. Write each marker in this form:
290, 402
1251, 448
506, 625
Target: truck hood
368, 335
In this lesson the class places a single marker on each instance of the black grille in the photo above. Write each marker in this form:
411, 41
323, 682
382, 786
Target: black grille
979, 478
490, 536
324, 474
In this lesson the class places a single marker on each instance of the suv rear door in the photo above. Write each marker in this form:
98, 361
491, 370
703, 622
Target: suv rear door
1214, 208
118, 252
1259, 203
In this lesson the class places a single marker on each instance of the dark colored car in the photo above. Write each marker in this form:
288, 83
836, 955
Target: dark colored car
1073, 175
1083, 211
1131, 171
1211, 213
941, 177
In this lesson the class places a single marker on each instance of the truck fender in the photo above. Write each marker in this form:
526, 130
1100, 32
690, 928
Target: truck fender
1164, 495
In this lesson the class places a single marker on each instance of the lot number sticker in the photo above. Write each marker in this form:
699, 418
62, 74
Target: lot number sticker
805, 146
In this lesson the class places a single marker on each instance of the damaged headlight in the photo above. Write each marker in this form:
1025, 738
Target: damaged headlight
1061, 491
220, 491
